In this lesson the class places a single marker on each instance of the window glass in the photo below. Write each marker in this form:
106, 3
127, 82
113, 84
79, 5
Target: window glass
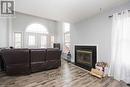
31, 40
37, 36
66, 27
17, 40
67, 37
43, 41
37, 28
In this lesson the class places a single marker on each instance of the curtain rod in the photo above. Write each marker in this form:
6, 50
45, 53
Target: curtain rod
118, 13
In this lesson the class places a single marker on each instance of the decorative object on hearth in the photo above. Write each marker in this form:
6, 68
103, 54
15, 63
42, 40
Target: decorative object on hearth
101, 70
96, 72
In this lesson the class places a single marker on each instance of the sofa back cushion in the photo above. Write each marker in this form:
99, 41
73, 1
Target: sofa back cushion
53, 54
38, 55
16, 56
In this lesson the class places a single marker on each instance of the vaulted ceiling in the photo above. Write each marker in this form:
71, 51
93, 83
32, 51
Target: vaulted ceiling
65, 10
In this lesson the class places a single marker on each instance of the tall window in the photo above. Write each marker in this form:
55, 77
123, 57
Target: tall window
120, 47
36, 36
66, 37
17, 39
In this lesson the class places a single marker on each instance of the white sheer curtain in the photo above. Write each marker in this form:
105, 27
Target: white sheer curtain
120, 59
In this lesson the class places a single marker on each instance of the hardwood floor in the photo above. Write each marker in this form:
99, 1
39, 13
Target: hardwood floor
68, 75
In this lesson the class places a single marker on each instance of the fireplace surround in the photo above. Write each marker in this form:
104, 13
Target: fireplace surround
85, 56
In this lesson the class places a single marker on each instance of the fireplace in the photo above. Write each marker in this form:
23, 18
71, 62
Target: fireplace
85, 56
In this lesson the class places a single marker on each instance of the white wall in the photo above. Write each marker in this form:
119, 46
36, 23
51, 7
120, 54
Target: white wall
21, 21
60, 34
3, 32
96, 30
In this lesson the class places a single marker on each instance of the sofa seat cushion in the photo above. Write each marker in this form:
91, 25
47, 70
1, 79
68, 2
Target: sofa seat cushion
16, 69
52, 64
38, 66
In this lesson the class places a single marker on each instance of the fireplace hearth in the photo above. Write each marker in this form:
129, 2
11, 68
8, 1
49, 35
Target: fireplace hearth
86, 56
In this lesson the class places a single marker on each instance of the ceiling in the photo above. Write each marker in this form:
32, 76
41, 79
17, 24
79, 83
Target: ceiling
65, 10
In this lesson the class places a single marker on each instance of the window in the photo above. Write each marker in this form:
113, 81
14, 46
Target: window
37, 28
120, 50
17, 39
66, 27
52, 41
43, 41
66, 37
37, 36
31, 40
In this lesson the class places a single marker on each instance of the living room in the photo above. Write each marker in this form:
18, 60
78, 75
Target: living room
45, 43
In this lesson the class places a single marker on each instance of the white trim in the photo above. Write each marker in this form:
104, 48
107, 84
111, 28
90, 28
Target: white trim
84, 45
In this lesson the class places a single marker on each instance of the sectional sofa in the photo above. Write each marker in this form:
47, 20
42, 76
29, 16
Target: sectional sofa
26, 61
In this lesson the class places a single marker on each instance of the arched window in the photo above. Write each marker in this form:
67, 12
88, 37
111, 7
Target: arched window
37, 28
36, 36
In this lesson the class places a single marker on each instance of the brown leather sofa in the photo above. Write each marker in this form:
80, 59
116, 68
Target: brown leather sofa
25, 61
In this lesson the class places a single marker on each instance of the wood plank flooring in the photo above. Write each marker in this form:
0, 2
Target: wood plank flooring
68, 75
